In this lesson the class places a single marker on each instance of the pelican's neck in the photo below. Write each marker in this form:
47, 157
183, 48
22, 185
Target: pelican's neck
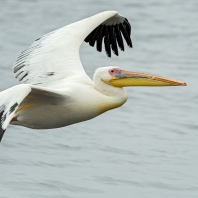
113, 97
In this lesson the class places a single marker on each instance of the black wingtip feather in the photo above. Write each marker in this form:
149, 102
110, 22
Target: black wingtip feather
119, 38
101, 33
99, 44
113, 41
128, 26
107, 42
126, 36
2, 119
1, 133
107, 45
112, 36
87, 39
94, 37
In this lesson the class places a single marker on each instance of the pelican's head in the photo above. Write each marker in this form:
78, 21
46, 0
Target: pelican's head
118, 77
110, 82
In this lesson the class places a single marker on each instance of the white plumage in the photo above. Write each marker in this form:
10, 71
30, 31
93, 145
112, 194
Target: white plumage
56, 91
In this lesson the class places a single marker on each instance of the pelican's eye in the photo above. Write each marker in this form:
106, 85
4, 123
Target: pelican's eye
114, 71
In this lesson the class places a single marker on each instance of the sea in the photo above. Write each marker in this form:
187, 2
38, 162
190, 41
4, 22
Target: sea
148, 148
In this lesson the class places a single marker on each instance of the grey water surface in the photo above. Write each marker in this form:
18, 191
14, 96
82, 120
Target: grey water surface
146, 148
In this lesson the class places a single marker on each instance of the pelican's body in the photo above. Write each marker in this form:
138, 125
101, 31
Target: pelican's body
56, 91
81, 101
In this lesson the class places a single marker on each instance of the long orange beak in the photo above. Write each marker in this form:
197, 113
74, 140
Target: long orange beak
128, 78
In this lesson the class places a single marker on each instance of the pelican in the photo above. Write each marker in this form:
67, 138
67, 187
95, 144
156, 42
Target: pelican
55, 90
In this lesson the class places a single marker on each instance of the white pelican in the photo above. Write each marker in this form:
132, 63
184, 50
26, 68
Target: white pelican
56, 91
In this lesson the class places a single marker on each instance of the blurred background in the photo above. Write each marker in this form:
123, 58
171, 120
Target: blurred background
146, 148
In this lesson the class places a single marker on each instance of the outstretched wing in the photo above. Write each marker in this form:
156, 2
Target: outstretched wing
55, 56
15, 97
10, 99
111, 30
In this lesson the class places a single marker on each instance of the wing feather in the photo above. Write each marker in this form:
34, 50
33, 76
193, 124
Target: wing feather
10, 100
113, 41
107, 43
100, 37
119, 38
113, 26
15, 97
57, 52
125, 34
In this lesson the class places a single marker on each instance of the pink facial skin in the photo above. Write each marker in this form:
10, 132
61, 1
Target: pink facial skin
114, 71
